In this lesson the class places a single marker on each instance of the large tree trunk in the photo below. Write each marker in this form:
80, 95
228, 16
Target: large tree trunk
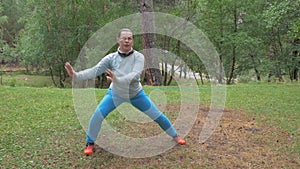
152, 72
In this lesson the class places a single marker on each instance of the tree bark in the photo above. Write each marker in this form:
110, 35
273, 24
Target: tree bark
255, 68
152, 72
52, 76
295, 61
234, 48
220, 44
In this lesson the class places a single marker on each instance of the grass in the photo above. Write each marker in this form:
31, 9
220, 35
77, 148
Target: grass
278, 103
14, 79
40, 129
275, 105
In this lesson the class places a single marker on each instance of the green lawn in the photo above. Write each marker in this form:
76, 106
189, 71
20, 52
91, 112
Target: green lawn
276, 104
40, 129
15, 79
272, 104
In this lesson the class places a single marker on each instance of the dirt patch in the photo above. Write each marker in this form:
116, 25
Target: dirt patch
237, 142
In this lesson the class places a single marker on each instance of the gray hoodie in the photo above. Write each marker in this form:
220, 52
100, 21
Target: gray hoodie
127, 69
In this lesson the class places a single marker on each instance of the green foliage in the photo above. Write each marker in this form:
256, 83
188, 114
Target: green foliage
258, 35
232, 27
13, 9
56, 31
282, 13
12, 82
282, 18
3, 19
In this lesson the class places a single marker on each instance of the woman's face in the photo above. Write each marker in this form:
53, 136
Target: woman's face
125, 41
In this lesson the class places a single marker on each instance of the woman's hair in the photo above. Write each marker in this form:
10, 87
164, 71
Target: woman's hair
124, 30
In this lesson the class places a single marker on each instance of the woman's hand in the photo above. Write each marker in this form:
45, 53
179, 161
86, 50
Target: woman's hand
111, 76
70, 69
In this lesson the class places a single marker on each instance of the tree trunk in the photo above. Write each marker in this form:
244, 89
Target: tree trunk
165, 61
201, 77
172, 73
295, 62
232, 65
162, 67
61, 77
180, 71
52, 76
185, 69
195, 78
166, 73
296, 74
274, 54
152, 72
255, 68
1, 72
280, 75
220, 43
173, 64
234, 48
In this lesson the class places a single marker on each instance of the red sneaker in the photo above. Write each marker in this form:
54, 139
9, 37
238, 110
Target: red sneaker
89, 149
179, 140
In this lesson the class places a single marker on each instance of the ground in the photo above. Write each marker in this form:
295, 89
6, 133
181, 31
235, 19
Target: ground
47, 134
238, 142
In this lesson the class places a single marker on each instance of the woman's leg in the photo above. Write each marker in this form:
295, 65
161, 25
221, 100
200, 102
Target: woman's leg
108, 104
142, 102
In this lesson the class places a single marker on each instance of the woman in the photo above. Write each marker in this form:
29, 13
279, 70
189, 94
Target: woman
123, 68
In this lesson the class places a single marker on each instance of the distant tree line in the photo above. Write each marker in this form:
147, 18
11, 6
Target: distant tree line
257, 39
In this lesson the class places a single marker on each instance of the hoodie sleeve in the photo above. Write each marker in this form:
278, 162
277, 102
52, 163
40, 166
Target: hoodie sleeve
95, 71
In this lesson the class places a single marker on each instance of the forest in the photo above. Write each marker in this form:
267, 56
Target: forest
256, 40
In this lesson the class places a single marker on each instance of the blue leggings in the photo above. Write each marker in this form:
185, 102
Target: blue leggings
141, 101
